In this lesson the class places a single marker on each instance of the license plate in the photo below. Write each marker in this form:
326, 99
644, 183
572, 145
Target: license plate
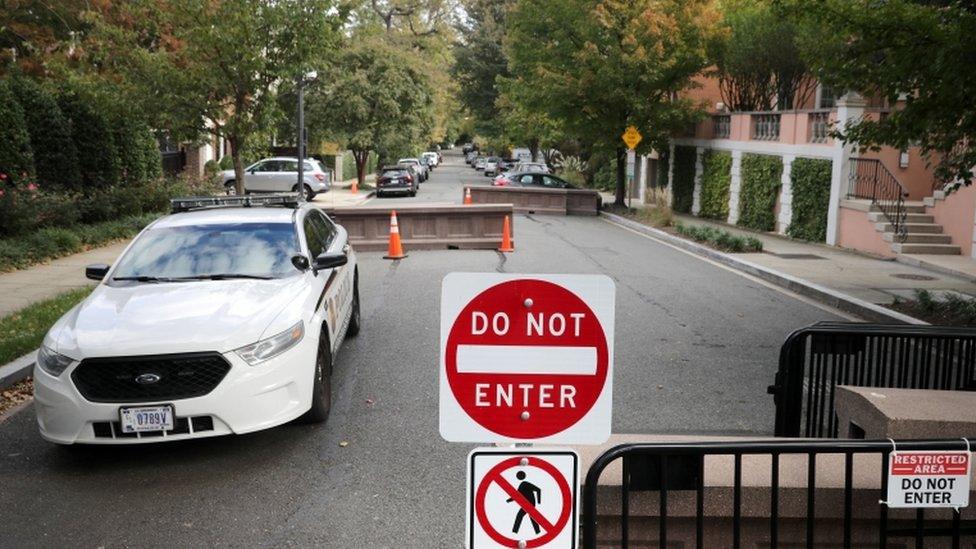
141, 419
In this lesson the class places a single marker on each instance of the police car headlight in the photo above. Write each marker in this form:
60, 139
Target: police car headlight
51, 362
273, 346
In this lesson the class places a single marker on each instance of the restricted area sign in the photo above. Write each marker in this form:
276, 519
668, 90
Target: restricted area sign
928, 479
526, 358
631, 137
522, 499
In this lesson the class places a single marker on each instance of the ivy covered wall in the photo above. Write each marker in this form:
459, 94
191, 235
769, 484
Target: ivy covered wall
761, 175
684, 178
811, 196
715, 180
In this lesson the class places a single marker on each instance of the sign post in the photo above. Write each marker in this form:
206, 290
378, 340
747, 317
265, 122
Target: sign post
522, 499
631, 138
526, 358
929, 479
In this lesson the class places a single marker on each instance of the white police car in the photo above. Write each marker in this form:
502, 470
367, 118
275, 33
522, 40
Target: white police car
221, 318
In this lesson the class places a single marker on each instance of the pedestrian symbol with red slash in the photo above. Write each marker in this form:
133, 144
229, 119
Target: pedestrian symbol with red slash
522, 499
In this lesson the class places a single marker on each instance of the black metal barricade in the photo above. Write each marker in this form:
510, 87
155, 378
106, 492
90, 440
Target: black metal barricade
815, 359
667, 468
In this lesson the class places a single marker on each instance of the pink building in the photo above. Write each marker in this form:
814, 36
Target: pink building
885, 203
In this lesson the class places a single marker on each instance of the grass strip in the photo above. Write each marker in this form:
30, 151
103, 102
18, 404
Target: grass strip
23, 330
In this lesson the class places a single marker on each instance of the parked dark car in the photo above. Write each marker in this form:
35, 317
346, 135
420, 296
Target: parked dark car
397, 180
532, 179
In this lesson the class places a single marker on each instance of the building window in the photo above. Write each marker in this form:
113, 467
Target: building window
825, 97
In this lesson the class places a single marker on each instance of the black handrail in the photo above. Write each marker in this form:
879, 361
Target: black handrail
668, 451
870, 179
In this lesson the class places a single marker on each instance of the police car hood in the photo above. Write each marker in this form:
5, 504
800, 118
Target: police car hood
148, 318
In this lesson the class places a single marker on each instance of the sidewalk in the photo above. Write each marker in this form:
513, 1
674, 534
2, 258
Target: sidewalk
872, 279
341, 194
19, 289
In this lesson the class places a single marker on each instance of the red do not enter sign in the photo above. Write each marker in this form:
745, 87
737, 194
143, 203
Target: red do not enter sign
528, 358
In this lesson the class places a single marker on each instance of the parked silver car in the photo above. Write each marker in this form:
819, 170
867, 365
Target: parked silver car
424, 171
280, 175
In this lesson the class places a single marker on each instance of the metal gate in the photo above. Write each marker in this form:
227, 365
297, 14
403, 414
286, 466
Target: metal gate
815, 359
675, 472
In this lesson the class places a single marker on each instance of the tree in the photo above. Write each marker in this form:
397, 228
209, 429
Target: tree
595, 66
480, 61
377, 99
98, 159
214, 67
55, 156
753, 74
919, 51
16, 157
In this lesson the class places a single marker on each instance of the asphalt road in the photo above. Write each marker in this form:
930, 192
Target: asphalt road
696, 346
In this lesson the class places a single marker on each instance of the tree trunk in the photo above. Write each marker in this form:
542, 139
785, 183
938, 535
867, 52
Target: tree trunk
534, 147
619, 199
235, 153
361, 156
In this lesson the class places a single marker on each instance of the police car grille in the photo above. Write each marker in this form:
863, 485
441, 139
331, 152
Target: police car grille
179, 376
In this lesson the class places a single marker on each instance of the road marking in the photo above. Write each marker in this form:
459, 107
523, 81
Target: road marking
748, 276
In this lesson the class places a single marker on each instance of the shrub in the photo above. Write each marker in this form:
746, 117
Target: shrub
760, 187
226, 162
811, 196
720, 238
139, 159
93, 139
55, 156
659, 213
16, 156
715, 180
683, 174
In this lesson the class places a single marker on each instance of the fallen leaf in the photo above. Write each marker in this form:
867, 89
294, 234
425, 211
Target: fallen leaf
344, 443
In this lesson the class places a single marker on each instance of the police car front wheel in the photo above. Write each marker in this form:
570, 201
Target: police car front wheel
322, 384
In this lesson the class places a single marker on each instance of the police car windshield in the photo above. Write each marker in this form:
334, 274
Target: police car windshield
215, 251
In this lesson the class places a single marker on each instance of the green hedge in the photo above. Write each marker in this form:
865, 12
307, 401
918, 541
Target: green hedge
811, 196
16, 157
760, 186
662, 169
92, 135
683, 178
715, 180
55, 156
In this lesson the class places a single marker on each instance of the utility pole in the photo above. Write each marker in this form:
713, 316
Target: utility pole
302, 80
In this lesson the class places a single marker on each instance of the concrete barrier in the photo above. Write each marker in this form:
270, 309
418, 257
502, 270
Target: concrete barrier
540, 201
425, 226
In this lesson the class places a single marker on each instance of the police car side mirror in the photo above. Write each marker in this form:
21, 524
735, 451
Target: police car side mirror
97, 271
330, 260
300, 262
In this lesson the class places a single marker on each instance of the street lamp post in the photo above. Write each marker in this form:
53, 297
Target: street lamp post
302, 80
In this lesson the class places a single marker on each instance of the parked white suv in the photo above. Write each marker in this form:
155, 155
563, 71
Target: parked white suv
432, 159
280, 175
213, 321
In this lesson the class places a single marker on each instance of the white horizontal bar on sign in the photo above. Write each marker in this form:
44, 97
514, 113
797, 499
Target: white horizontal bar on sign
525, 359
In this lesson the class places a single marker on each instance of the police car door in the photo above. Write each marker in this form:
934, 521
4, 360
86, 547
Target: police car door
336, 285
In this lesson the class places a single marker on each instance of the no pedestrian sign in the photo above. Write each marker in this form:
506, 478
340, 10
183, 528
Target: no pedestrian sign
928, 479
526, 358
522, 499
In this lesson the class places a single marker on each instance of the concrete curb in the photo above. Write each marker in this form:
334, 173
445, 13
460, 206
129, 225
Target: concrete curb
831, 298
18, 370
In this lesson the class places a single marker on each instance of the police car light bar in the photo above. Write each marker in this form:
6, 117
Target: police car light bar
186, 204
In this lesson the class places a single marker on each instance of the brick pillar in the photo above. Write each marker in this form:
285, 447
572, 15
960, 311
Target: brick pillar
194, 161
850, 107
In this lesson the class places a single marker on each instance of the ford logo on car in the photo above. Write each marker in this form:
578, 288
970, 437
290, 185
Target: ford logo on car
147, 379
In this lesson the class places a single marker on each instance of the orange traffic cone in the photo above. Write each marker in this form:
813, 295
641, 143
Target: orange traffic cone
355, 186
506, 238
467, 196
395, 249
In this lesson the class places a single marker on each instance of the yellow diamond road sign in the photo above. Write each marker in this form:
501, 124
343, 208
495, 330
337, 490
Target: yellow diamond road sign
631, 137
